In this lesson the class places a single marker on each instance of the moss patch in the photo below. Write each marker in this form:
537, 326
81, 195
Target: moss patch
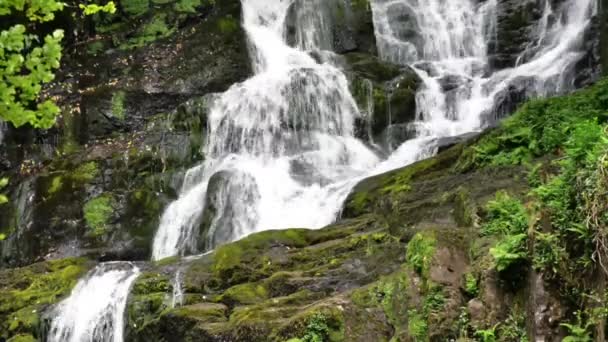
97, 213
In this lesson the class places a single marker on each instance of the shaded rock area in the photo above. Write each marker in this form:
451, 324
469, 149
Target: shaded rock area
133, 119
386, 96
346, 26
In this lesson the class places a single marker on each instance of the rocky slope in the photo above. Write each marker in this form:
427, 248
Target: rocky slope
410, 260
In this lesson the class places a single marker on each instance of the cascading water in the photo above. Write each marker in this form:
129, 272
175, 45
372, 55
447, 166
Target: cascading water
449, 50
281, 151
280, 145
95, 309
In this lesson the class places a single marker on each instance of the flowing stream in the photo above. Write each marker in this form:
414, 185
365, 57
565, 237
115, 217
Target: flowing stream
281, 150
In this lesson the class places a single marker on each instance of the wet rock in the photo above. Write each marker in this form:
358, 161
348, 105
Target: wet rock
515, 25
228, 192
343, 26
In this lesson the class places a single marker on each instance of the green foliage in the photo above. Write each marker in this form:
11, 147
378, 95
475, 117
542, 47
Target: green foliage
505, 215
514, 328
187, 6
511, 250
487, 335
420, 252
91, 9
507, 218
417, 325
578, 331
548, 252
135, 7
538, 127
471, 284
23, 70
317, 329
97, 213
36, 10
28, 62
155, 29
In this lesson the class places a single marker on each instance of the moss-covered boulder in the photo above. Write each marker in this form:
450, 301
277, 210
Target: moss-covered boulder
26, 292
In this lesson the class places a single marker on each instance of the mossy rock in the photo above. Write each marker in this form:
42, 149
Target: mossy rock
26, 292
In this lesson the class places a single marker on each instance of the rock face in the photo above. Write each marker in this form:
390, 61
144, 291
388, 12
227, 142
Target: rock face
346, 26
386, 95
97, 184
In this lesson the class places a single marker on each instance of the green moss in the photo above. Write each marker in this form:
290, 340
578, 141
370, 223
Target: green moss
26, 291
26, 319
56, 185
144, 309
249, 293
206, 312
167, 261
228, 25
85, 172
232, 262
97, 213
118, 105
151, 282
464, 209
539, 127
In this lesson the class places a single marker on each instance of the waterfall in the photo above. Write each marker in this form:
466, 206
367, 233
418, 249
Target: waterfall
447, 44
281, 151
95, 309
280, 147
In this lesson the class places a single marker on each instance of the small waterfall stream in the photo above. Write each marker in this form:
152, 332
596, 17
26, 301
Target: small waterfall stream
281, 150
95, 310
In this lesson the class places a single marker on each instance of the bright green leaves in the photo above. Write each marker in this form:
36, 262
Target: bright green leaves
26, 65
507, 219
509, 250
91, 9
35, 10
23, 71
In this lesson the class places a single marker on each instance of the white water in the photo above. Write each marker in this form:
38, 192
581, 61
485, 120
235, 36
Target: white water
94, 312
177, 298
283, 140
